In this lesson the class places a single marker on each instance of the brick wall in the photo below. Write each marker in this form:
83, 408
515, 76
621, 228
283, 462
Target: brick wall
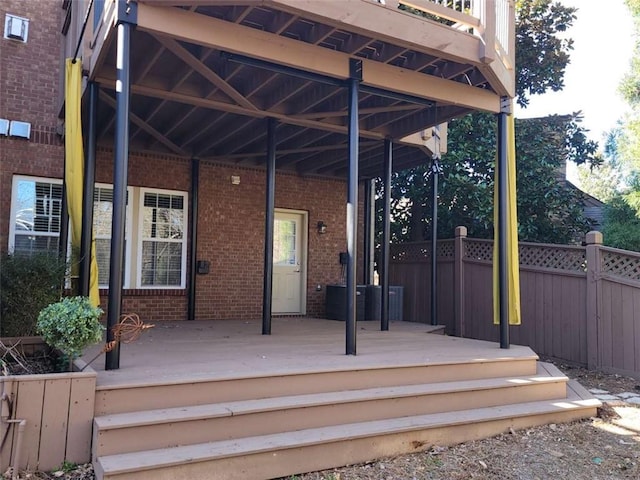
231, 217
231, 235
29, 92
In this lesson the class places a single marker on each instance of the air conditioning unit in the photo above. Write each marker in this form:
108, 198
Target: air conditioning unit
16, 28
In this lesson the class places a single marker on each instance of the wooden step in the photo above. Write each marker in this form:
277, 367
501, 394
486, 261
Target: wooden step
188, 392
160, 428
275, 455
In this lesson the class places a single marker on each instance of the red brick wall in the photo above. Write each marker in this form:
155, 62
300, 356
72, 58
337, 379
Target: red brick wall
29, 77
231, 217
231, 235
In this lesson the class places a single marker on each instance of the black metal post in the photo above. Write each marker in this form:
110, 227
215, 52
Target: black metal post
120, 165
501, 171
63, 239
369, 230
269, 215
195, 188
386, 235
88, 188
435, 171
355, 71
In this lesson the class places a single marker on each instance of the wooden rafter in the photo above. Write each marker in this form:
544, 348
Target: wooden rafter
197, 65
146, 127
214, 33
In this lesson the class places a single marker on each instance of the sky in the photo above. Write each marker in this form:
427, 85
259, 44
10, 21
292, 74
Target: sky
603, 45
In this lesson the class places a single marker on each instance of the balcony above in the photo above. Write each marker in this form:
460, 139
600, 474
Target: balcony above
204, 66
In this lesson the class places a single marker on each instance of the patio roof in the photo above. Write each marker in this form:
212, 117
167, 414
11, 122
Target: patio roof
207, 74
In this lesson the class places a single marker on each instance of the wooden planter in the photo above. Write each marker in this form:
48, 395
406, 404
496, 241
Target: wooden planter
57, 410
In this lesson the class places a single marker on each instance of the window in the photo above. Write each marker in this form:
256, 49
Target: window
158, 224
35, 215
162, 244
102, 214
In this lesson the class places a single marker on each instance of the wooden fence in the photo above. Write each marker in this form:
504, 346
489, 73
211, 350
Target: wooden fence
579, 303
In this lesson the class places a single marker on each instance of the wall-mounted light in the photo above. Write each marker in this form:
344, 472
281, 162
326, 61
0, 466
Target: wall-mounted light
322, 227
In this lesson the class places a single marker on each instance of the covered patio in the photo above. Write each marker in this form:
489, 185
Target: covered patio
344, 90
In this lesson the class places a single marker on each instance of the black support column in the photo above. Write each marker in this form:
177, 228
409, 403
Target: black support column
269, 216
386, 235
501, 171
369, 229
195, 191
355, 74
436, 170
126, 21
88, 188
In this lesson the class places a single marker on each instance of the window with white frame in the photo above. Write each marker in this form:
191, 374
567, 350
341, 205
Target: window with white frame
159, 223
102, 214
162, 244
35, 215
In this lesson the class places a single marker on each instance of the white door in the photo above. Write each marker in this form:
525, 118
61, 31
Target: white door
289, 245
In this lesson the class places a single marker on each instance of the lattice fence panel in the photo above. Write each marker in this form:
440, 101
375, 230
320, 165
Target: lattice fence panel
446, 249
621, 264
410, 252
571, 259
421, 251
478, 250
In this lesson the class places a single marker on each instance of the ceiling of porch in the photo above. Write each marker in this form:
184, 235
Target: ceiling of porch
191, 100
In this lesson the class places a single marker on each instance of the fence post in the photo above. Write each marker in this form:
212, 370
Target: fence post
458, 281
593, 241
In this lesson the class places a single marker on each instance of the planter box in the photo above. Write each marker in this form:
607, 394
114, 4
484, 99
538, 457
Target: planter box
58, 411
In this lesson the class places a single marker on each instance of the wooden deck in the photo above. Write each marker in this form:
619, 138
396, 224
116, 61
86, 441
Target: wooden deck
231, 349
216, 399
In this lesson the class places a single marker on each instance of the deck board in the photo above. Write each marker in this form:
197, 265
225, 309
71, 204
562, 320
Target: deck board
195, 350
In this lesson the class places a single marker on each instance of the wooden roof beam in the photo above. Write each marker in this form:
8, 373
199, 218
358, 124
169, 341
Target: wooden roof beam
203, 30
146, 127
197, 65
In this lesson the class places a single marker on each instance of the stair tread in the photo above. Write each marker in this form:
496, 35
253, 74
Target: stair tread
518, 354
577, 398
227, 409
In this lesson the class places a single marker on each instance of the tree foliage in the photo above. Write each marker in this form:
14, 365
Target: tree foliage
622, 156
542, 54
548, 209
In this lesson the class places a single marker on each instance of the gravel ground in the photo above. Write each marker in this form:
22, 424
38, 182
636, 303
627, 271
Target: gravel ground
603, 448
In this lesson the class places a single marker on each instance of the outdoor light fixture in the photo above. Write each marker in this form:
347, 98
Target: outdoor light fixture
322, 227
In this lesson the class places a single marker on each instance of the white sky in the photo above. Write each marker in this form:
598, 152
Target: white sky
603, 45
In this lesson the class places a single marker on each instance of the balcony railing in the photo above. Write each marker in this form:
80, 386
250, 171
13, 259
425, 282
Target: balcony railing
491, 20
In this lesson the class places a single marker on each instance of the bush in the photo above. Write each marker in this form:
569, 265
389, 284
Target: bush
70, 325
27, 285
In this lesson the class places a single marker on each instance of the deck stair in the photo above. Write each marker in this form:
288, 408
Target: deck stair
267, 427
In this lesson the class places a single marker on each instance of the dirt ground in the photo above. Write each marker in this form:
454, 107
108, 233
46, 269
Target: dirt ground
607, 447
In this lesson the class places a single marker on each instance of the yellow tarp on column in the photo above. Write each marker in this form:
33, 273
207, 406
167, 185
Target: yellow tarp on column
513, 259
74, 167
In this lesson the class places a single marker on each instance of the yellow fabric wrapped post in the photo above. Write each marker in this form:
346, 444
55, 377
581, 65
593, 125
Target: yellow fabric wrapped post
513, 258
74, 167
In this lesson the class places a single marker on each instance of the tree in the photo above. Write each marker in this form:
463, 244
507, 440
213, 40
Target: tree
541, 54
548, 209
622, 156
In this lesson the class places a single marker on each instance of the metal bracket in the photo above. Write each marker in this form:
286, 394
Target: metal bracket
355, 69
436, 167
506, 105
127, 12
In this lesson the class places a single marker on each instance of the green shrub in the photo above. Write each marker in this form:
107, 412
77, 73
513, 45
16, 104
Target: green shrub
70, 325
27, 285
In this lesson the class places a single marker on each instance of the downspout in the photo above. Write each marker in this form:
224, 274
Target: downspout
22, 425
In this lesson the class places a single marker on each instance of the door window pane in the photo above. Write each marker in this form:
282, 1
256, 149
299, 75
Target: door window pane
284, 242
